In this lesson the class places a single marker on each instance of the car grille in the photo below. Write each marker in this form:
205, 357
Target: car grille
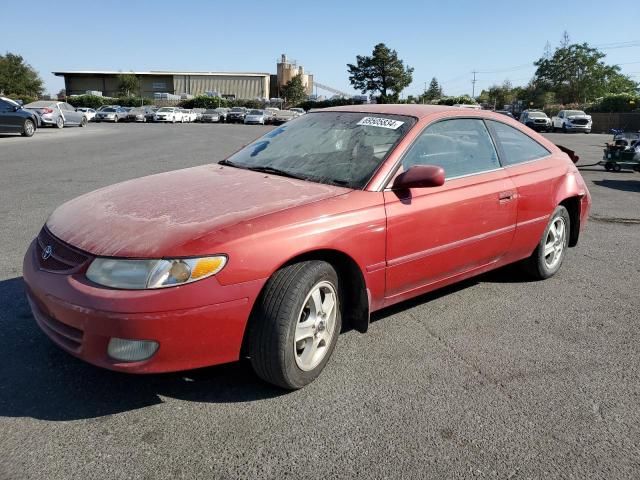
64, 335
542, 122
580, 121
56, 256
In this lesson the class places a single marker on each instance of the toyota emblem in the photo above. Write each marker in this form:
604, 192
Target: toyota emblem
47, 252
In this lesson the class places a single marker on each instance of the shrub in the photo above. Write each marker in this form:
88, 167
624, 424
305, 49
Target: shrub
617, 102
462, 99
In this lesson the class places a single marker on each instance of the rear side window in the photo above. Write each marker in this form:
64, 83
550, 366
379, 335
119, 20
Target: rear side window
516, 146
460, 146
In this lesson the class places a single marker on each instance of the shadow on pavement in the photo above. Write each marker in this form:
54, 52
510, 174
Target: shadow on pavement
623, 185
39, 380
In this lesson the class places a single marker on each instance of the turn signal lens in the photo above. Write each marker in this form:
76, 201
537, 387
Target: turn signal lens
207, 266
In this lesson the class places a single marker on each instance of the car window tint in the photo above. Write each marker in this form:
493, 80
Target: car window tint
5, 106
517, 146
460, 146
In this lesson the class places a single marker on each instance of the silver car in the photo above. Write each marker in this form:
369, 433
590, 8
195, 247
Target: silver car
58, 114
210, 116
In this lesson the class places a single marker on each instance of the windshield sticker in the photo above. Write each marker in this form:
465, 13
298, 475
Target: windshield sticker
380, 122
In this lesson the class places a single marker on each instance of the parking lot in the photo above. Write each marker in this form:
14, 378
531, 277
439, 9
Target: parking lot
497, 377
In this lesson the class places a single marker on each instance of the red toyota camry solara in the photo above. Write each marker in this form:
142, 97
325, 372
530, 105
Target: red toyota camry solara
320, 222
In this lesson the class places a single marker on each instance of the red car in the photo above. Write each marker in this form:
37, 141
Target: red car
320, 222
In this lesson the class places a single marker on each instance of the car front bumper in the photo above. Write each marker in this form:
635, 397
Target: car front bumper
578, 128
195, 325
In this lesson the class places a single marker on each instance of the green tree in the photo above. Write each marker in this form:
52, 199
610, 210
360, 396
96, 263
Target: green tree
294, 92
128, 84
576, 73
383, 72
18, 78
434, 92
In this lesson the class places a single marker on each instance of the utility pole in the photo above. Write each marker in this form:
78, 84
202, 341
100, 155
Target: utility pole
473, 83
424, 94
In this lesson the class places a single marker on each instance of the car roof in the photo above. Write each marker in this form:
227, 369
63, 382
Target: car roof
411, 110
42, 103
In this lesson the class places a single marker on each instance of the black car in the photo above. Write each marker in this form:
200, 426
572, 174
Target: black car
236, 114
14, 119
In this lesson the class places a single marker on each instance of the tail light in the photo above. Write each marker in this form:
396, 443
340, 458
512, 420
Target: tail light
47, 110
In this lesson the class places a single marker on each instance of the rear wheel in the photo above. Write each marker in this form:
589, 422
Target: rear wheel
547, 258
616, 167
564, 128
115, 119
608, 166
83, 122
296, 324
60, 122
28, 128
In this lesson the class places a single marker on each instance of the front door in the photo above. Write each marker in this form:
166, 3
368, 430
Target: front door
435, 234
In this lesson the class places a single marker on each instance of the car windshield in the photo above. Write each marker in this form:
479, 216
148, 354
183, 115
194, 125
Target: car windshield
210, 111
255, 112
338, 148
165, 109
572, 113
537, 115
237, 109
109, 110
137, 110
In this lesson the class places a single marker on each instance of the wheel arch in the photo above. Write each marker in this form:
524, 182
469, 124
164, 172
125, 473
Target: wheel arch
572, 204
353, 289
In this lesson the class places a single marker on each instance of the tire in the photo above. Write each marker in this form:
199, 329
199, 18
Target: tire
115, 119
28, 128
554, 243
608, 166
60, 122
616, 167
564, 128
144, 119
83, 122
286, 310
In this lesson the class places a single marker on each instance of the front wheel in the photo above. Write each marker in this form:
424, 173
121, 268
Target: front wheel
296, 324
564, 128
547, 258
28, 129
115, 120
83, 122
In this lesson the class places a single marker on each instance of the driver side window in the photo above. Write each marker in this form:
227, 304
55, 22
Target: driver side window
460, 146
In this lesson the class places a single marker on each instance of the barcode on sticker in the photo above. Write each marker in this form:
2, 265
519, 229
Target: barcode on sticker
380, 122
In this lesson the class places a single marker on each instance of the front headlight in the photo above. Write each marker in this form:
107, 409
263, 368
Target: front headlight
147, 274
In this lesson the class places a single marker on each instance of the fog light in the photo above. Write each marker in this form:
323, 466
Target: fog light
131, 350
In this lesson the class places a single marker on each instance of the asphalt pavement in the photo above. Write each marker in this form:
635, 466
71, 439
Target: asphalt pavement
497, 377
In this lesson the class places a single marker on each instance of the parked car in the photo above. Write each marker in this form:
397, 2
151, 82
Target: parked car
236, 115
15, 119
572, 121
151, 113
536, 120
58, 114
336, 215
90, 113
210, 116
189, 116
140, 114
299, 111
111, 114
256, 117
271, 113
283, 116
107, 106
168, 114
505, 112
223, 112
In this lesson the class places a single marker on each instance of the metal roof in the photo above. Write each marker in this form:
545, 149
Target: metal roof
159, 72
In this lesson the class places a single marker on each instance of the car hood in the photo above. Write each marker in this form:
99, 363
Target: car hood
169, 214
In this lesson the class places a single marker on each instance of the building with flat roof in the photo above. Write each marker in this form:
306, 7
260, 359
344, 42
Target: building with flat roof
241, 85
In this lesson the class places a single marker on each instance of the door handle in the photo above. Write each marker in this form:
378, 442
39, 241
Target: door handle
504, 197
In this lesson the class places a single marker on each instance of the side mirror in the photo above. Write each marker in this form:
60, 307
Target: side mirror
420, 176
17, 107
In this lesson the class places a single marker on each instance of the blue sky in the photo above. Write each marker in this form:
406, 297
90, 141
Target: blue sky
447, 40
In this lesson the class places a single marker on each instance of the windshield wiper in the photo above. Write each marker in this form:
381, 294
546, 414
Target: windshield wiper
276, 171
228, 163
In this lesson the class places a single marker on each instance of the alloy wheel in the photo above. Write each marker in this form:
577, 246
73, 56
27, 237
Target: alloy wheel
555, 242
316, 326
